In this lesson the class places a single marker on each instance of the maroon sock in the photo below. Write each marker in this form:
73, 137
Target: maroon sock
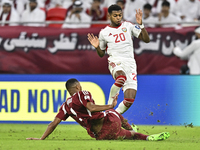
140, 136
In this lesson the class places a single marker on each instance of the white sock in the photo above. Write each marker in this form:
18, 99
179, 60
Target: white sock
113, 91
119, 82
122, 108
125, 105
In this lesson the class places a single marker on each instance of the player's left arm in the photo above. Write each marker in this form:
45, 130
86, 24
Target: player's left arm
51, 127
144, 36
96, 108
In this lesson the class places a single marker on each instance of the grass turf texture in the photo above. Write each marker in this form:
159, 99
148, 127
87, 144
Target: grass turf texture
74, 137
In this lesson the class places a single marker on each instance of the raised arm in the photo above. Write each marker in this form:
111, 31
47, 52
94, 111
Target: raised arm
187, 51
95, 42
144, 34
49, 129
95, 108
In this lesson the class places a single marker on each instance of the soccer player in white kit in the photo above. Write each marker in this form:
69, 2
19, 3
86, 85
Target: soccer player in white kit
116, 40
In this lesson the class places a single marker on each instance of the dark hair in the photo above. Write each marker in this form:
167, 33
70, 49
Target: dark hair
147, 6
166, 3
69, 83
122, 1
114, 7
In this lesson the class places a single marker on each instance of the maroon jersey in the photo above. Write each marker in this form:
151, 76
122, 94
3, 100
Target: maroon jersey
75, 106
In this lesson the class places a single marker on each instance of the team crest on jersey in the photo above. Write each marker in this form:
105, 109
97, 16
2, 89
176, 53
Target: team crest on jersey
124, 29
119, 63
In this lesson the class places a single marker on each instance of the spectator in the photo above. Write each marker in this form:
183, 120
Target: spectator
188, 10
166, 17
87, 4
68, 4
33, 14
8, 13
107, 3
56, 4
96, 11
148, 19
121, 3
192, 53
21, 5
130, 8
76, 17
157, 6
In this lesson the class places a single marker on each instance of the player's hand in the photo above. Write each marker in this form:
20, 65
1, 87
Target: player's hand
139, 16
93, 40
115, 100
33, 138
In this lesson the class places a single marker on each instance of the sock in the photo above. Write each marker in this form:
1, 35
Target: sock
124, 105
126, 125
140, 136
119, 82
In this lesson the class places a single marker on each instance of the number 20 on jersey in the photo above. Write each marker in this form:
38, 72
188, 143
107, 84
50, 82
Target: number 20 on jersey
119, 37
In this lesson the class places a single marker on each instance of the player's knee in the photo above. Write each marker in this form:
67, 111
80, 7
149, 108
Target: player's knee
119, 73
128, 102
120, 80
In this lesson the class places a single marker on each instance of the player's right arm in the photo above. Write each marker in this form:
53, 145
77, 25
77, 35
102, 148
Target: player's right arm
51, 127
61, 115
95, 42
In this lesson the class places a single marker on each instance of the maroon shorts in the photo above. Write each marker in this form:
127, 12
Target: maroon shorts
111, 129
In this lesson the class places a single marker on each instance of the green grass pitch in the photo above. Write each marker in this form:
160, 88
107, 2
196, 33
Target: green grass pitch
74, 137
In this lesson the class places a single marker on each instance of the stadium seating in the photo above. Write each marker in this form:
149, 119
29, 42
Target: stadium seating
104, 18
56, 14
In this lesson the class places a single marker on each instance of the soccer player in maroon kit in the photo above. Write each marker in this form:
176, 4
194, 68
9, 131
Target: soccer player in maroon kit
100, 125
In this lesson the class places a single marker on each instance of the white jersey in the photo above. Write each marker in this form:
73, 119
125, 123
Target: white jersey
118, 41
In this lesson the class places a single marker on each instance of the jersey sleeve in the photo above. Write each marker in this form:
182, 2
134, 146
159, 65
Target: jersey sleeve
62, 114
102, 42
86, 97
135, 30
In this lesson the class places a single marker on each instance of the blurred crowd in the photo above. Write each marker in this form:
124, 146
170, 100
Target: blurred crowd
156, 13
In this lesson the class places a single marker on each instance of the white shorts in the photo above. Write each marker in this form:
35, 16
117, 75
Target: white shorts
129, 68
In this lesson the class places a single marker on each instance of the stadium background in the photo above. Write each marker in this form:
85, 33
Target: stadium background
32, 77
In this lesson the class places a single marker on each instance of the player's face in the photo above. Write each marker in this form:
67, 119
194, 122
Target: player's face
79, 86
115, 18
